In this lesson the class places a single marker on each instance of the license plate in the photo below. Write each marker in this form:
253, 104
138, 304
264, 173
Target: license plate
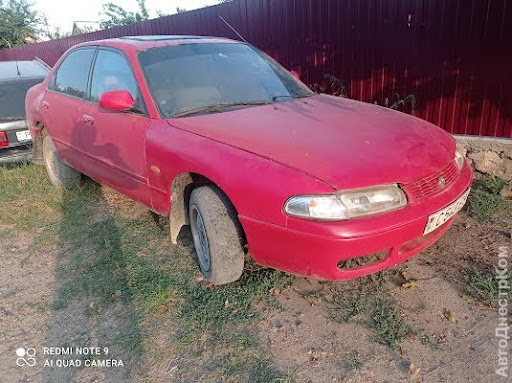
439, 218
23, 135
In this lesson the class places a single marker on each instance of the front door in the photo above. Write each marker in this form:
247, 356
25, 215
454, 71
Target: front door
120, 152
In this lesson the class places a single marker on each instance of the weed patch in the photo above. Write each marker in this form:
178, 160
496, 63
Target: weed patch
390, 327
483, 285
354, 360
484, 201
367, 300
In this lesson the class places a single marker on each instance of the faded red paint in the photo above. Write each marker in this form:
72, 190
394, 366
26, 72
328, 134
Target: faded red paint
260, 157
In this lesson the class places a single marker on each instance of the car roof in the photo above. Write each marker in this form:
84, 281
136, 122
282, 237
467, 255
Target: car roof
163, 37
151, 41
22, 70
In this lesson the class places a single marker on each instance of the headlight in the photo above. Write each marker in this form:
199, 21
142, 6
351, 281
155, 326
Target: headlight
348, 204
316, 207
459, 159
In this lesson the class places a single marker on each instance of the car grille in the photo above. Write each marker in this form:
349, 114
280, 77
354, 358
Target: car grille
431, 184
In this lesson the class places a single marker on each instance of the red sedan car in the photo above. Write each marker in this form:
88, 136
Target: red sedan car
218, 136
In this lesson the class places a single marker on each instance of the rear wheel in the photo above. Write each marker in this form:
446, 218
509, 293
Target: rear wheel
217, 235
61, 174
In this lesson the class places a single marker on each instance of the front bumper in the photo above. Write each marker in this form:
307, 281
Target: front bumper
315, 249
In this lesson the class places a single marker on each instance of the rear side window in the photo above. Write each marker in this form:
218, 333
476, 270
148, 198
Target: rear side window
112, 72
72, 75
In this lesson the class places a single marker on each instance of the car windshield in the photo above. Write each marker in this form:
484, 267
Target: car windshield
193, 79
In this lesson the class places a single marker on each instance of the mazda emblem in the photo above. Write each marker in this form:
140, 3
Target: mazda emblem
441, 182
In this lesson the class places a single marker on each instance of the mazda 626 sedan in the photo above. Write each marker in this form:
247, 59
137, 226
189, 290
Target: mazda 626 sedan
217, 135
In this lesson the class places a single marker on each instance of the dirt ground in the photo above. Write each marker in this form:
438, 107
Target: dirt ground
415, 323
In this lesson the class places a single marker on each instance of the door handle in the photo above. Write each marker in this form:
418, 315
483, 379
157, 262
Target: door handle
88, 120
45, 104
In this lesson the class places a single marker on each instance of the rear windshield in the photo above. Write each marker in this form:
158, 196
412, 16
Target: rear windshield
12, 98
190, 76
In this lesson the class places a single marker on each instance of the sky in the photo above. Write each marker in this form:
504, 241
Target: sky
62, 13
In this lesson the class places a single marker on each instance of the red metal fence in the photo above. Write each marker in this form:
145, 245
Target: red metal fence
455, 56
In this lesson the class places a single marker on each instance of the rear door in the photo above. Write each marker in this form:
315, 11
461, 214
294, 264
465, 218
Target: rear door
120, 136
64, 105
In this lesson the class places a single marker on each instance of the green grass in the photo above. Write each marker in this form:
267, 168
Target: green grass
483, 285
27, 199
485, 203
132, 339
42, 308
206, 309
354, 360
390, 327
357, 298
254, 370
492, 185
107, 256
426, 341
367, 301
236, 367
353, 306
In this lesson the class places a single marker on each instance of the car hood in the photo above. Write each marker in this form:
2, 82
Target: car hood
342, 142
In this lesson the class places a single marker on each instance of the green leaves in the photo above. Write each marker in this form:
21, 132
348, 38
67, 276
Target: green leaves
113, 15
19, 23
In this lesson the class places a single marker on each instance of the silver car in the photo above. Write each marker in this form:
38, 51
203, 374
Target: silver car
16, 77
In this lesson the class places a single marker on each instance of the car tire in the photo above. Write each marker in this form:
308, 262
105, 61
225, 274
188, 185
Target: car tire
61, 174
217, 235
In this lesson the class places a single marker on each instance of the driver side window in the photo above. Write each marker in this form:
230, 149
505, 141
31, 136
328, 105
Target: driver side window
112, 72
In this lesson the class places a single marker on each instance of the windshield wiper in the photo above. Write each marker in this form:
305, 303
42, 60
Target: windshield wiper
217, 106
274, 98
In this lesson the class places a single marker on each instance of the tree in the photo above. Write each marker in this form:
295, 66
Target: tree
114, 15
19, 23
53, 33
56, 33
80, 27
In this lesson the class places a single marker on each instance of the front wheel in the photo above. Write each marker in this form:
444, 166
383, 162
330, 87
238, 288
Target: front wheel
217, 235
61, 174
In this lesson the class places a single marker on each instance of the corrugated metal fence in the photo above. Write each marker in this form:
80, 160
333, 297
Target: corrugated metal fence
455, 56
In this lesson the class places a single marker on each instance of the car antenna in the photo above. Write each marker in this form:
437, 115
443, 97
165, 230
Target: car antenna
16, 61
15, 58
233, 29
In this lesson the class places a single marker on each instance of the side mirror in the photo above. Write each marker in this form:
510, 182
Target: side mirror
120, 100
